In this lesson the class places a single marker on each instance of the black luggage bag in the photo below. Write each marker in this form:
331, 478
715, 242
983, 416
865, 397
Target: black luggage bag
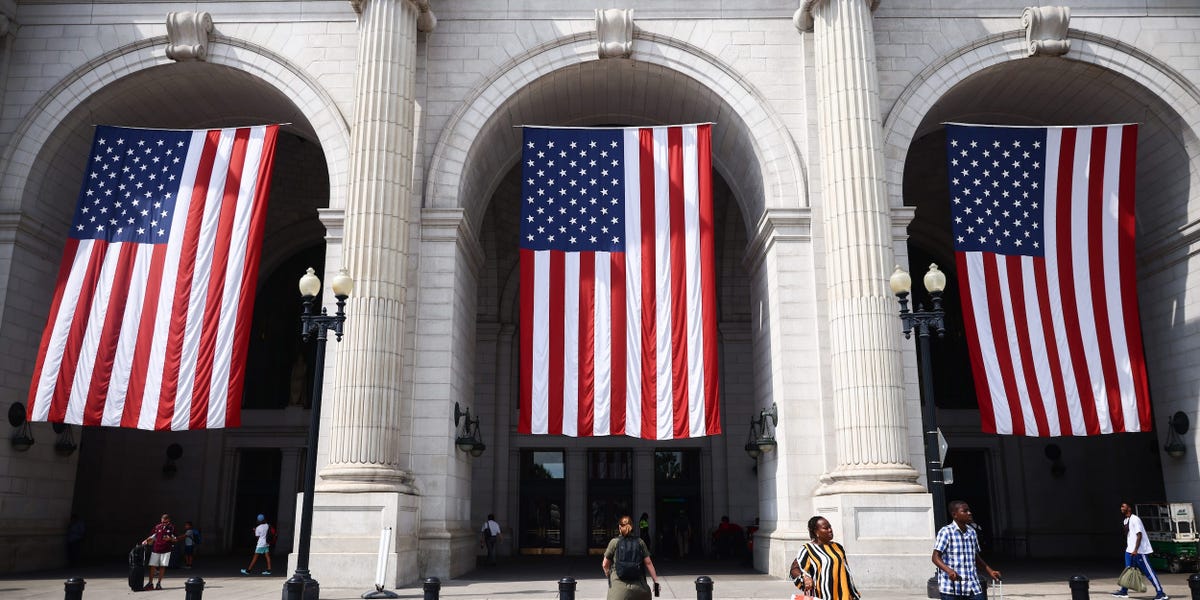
138, 557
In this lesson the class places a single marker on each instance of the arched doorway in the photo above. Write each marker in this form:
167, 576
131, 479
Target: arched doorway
1024, 489
203, 484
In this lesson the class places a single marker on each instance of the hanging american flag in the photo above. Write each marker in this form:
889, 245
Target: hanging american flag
1043, 227
618, 291
151, 311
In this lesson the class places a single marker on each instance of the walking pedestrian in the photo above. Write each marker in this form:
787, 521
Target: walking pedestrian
489, 535
1137, 547
626, 562
958, 557
262, 546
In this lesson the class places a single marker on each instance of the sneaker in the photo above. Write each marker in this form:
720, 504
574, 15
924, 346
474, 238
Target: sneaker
245, 572
1119, 594
268, 573
158, 586
1162, 597
149, 586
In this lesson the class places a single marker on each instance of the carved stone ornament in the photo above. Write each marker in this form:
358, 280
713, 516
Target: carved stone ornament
614, 30
187, 35
1046, 30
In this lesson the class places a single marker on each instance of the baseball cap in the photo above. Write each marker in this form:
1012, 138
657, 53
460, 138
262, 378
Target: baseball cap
261, 518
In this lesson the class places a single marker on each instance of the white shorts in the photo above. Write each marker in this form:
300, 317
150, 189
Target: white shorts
159, 559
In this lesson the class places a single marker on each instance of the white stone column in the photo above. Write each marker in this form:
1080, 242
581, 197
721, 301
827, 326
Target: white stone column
368, 432
871, 495
365, 482
869, 419
290, 479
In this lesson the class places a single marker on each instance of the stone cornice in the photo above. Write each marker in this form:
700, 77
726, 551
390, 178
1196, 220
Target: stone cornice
334, 220
451, 224
776, 224
803, 16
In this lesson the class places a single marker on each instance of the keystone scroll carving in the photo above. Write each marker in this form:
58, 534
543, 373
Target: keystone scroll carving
187, 35
614, 30
1046, 30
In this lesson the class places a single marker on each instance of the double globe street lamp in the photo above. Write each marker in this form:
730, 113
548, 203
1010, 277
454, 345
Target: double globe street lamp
926, 322
301, 585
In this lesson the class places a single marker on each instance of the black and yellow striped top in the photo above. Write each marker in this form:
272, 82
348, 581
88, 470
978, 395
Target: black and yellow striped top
826, 564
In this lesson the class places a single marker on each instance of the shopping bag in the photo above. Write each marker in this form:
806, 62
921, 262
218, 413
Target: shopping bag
802, 596
1132, 579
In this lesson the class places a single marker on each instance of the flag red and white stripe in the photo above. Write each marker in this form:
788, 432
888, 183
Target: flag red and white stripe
618, 295
151, 313
1044, 240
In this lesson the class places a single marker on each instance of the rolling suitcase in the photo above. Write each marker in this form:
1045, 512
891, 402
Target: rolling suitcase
138, 557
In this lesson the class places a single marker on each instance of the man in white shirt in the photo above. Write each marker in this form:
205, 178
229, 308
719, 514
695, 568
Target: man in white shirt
1137, 548
490, 534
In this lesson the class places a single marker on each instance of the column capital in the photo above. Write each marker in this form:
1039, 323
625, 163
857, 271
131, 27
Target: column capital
426, 20
803, 17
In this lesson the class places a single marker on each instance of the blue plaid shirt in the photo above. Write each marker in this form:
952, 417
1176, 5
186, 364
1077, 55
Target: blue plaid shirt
958, 549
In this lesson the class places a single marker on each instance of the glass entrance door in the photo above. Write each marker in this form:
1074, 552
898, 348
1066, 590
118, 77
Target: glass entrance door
543, 496
677, 503
610, 495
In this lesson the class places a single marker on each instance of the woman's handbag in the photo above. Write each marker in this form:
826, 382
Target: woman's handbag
1131, 578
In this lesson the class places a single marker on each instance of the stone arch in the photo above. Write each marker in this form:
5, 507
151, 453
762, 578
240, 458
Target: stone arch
901, 127
757, 156
43, 125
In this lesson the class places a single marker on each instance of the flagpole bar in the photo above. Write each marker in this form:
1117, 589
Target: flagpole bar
301, 585
926, 322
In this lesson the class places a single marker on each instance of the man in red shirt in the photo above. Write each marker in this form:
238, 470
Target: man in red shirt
161, 540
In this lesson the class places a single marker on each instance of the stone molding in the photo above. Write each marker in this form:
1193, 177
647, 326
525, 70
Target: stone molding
1046, 30
188, 35
426, 20
451, 224
5, 24
334, 220
803, 19
777, 224
614, 32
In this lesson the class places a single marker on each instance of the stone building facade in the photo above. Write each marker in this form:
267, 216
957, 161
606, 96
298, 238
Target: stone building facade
398, 163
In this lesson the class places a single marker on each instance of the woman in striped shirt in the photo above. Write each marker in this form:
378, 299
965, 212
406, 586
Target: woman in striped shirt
820, 566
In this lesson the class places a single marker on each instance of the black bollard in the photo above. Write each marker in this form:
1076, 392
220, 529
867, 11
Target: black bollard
194, 588
1194, 585
566, 588
74, 588
433, 588
704, 587
1079, 587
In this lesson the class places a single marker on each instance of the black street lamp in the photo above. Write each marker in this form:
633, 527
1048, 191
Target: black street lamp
301, 585
925, 322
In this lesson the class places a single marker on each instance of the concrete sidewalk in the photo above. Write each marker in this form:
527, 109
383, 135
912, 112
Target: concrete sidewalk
537, 578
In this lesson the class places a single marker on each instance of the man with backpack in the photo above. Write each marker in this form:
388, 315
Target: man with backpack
626, 562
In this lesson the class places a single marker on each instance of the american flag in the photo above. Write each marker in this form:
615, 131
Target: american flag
1043, 227
151, 311
618, 302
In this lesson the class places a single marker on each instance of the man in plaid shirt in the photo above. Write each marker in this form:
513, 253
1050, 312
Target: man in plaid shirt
957, 555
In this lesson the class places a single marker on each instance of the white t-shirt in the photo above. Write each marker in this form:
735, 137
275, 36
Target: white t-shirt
261, 532
1134, 523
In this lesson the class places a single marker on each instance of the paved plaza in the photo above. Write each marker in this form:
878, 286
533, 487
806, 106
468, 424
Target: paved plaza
528, 578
